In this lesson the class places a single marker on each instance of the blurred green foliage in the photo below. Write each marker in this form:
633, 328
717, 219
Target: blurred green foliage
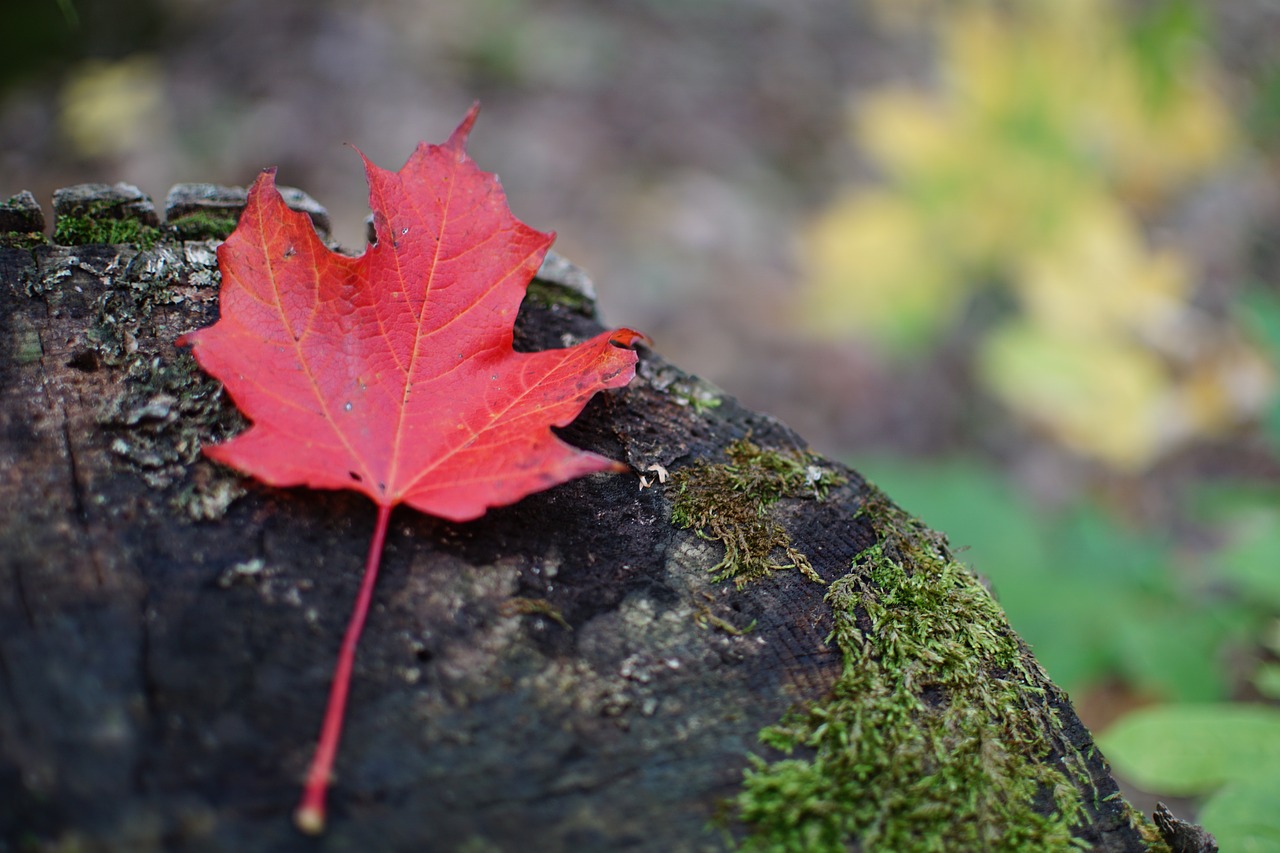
1263, 117
1231, 752
1259, 312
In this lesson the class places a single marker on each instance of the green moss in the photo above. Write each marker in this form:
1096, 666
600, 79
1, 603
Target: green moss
682, 388
696, 396
22, 239
729, 502
933, 736
550, 294
87, 229
202, 226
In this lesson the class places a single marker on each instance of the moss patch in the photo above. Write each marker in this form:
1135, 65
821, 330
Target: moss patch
550, 295
22, 239
729, 502
87, 229
695, 396
684, 390
933, 736
202, 226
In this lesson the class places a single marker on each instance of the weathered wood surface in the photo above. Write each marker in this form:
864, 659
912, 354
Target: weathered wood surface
167, 629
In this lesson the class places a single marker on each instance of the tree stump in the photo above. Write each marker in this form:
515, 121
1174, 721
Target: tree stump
589, 669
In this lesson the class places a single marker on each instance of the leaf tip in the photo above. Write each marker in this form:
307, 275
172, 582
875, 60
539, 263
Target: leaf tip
266, 176
626, 337
309, 819
260, 193
458, 139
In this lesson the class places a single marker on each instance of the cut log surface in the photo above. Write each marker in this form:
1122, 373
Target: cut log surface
563, 674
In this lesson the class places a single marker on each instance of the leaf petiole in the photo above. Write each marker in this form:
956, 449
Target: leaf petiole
310, 814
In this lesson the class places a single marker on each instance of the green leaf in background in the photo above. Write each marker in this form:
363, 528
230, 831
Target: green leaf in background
1266, 680
1193, 749
1259, 312
1252, 560
1244, 817
1264, 111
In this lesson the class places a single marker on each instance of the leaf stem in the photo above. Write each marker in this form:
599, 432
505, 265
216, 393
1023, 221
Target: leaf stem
310, 814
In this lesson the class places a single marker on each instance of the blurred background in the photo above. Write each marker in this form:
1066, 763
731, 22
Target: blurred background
1019, 263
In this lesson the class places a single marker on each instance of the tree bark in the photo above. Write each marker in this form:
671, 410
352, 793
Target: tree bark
562, 674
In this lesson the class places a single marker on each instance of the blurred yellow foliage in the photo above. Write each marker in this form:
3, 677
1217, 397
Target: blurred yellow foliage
1096, 280
107, 107
1098, 396
875, 237
1054, 130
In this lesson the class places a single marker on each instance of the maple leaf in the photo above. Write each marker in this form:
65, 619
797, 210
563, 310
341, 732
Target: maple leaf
393, 374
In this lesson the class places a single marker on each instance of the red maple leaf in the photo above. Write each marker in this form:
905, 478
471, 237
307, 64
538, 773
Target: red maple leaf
393, 373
